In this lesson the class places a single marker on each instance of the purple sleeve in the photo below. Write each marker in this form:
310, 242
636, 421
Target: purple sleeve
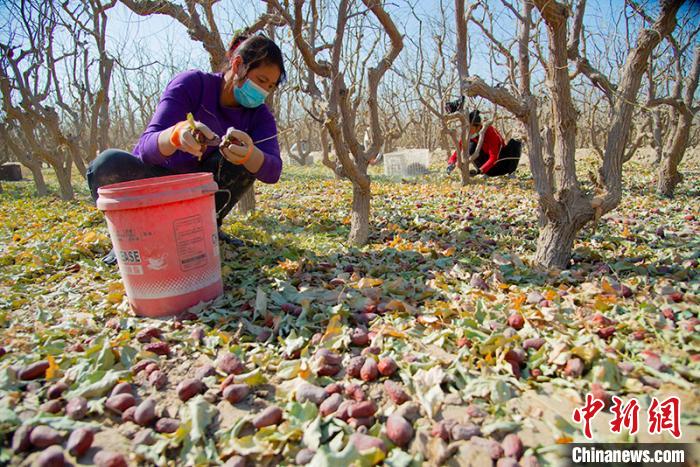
179, 98
263, 131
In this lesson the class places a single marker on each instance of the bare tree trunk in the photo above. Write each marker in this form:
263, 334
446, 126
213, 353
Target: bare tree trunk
39, 181
444, 143
462, 15
80, 163
632, 72
669, 177
554, 244
341, 110
658, 136
247, 202
325, 153
359, 216
63, 175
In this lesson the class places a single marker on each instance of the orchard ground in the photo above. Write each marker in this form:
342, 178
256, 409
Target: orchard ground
444, 270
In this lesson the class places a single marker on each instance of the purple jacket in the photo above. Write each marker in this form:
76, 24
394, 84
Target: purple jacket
198, 92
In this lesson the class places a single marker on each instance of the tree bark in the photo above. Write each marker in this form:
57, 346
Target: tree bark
80, 163
554, 244
63, 175
610, 172
247, 202
325, 153
669, 177
658, 136
39, 181
359, 216
462, 15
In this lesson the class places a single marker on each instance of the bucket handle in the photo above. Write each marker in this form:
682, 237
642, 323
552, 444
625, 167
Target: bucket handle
210, 191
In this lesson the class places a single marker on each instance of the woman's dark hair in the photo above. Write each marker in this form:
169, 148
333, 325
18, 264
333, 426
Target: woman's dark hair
474, 117
256, 50
455, 105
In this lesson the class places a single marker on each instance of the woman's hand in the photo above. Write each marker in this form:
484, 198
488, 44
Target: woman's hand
183, 137
237, 146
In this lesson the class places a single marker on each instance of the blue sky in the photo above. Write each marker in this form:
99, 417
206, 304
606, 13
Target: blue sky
159, 38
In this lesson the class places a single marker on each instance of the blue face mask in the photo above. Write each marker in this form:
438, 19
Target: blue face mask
249, 95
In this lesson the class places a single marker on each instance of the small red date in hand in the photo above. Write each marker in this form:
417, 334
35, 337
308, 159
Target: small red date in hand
229, 139
199, 135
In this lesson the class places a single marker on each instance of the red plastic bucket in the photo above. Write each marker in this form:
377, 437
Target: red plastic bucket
165, 237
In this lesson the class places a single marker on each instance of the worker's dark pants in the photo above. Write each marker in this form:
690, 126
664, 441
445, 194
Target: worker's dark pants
114, 166
507, 162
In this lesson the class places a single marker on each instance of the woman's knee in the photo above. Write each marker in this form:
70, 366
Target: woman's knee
112, 166
112, 160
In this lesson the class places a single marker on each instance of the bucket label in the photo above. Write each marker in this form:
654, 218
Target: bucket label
190, 240
130, 256
130, 262
133, 269
128, 235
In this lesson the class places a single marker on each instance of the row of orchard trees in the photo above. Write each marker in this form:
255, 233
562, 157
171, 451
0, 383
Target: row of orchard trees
66, 92
544, 70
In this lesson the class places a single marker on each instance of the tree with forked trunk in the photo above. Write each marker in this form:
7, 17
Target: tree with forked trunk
341, 98
682, 108
11, 139
565, 208
61, 121
434, 85
32, 122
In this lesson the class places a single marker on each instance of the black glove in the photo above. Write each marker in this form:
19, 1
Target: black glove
450, 168
473, 172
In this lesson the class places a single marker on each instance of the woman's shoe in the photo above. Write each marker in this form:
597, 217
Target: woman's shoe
110, 258
226, 238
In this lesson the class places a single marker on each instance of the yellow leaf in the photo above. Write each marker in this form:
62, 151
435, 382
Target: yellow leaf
518, 301
53, 370
550, 295
367, 282
587, 352
601, 303
607, 288
393, 332
626, 231
289, 266
90, 237
225, 337
487, 296
122, 338
564, 440
116, 292
396, 305
334, 329
397, 239
115, 297
304, 370
450, 251
115, 287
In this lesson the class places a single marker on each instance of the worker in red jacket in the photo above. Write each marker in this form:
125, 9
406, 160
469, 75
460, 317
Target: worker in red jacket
495, 158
